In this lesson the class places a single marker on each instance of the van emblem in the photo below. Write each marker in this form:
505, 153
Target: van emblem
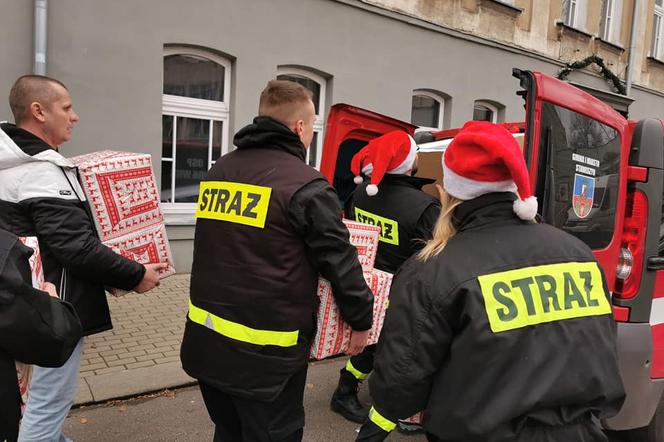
584, 192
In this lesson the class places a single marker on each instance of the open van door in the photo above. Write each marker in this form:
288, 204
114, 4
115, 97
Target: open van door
598, 176
350, 128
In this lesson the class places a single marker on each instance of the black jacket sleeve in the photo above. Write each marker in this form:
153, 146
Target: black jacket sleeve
315, 213
414, 341
427, 221
65, 229
35, 328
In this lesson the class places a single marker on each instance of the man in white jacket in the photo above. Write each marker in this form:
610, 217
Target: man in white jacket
40, 196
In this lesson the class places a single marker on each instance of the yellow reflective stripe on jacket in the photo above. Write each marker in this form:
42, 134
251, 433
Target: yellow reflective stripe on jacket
534, 295
241, 332
355, 372
383, 423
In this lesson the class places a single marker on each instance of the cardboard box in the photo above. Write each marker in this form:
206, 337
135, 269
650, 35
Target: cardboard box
125, 202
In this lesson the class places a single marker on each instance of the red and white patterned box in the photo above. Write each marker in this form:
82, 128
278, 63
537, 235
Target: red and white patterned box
365, 238
333, 334
122, 193
24, 371
380, 286
121, 190
416, 418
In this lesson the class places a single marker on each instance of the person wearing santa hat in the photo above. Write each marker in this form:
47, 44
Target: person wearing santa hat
500, 328
393, 200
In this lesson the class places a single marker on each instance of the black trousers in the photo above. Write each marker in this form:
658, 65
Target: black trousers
243, 420
364, 361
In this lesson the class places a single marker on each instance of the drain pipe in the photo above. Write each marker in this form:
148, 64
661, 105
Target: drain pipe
632, 47
41, 37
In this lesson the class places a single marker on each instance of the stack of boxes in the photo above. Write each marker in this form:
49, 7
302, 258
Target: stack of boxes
333, 334
124, 199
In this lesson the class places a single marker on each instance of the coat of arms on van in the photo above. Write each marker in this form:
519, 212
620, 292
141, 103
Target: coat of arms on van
584, 192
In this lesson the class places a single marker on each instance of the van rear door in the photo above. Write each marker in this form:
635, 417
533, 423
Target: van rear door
350, 128
576, 149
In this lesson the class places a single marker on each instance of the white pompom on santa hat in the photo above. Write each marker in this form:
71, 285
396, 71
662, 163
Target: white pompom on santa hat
392, 153
484, 158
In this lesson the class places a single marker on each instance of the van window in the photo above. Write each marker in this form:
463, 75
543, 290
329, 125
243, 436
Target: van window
578, 185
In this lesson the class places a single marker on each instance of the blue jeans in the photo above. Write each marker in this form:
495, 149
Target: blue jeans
51, 395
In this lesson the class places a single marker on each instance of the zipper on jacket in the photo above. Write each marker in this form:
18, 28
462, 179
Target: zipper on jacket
63, 284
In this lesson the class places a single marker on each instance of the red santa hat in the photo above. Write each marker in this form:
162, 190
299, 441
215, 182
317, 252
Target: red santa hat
484, 158
395, 152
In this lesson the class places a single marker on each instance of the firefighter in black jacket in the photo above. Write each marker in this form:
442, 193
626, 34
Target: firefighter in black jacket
35, 328
267, 225
406, 216
500, 329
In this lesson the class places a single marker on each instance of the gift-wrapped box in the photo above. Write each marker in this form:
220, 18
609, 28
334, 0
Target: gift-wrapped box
416, 418
124, 199
365, 239
333, 334
24, 371
380, 286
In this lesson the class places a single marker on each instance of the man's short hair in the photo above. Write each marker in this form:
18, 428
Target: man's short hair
283, 100
28, 89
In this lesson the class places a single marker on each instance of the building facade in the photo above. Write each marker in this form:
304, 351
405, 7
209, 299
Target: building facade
177, 80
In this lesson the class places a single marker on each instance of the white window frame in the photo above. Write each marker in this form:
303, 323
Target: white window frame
611, 21
186, 107
441, 109
577, 12
657, 45
319, 123
492, 107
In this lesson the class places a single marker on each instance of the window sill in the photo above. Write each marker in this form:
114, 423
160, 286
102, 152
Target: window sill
656, 61
566, 29
179, 218
611, 46
503, 7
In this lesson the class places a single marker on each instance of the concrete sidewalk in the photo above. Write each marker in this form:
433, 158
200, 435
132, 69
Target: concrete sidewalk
141, 353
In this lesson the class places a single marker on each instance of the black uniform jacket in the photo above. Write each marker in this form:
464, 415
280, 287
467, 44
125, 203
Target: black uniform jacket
34, 328
40, 196
510, 325
405, 214
267, 225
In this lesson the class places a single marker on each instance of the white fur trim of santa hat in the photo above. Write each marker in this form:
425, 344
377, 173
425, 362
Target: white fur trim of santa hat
407, 164
467, 189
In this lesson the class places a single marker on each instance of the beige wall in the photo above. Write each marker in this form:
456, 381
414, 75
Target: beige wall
536, 29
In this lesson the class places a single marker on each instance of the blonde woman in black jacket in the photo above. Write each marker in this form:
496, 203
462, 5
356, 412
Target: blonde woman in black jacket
501, 329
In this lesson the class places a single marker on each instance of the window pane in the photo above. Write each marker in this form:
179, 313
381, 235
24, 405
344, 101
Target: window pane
167, 136
584, 188
425, 111
482, 113
217, 127
308, 83
194, 77
191, 159
166, 178
313, 150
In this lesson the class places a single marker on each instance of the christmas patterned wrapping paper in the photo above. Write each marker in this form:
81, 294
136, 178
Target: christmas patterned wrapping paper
332, 333
124, 199
415, 419
365, 238
24, 371
380, 286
